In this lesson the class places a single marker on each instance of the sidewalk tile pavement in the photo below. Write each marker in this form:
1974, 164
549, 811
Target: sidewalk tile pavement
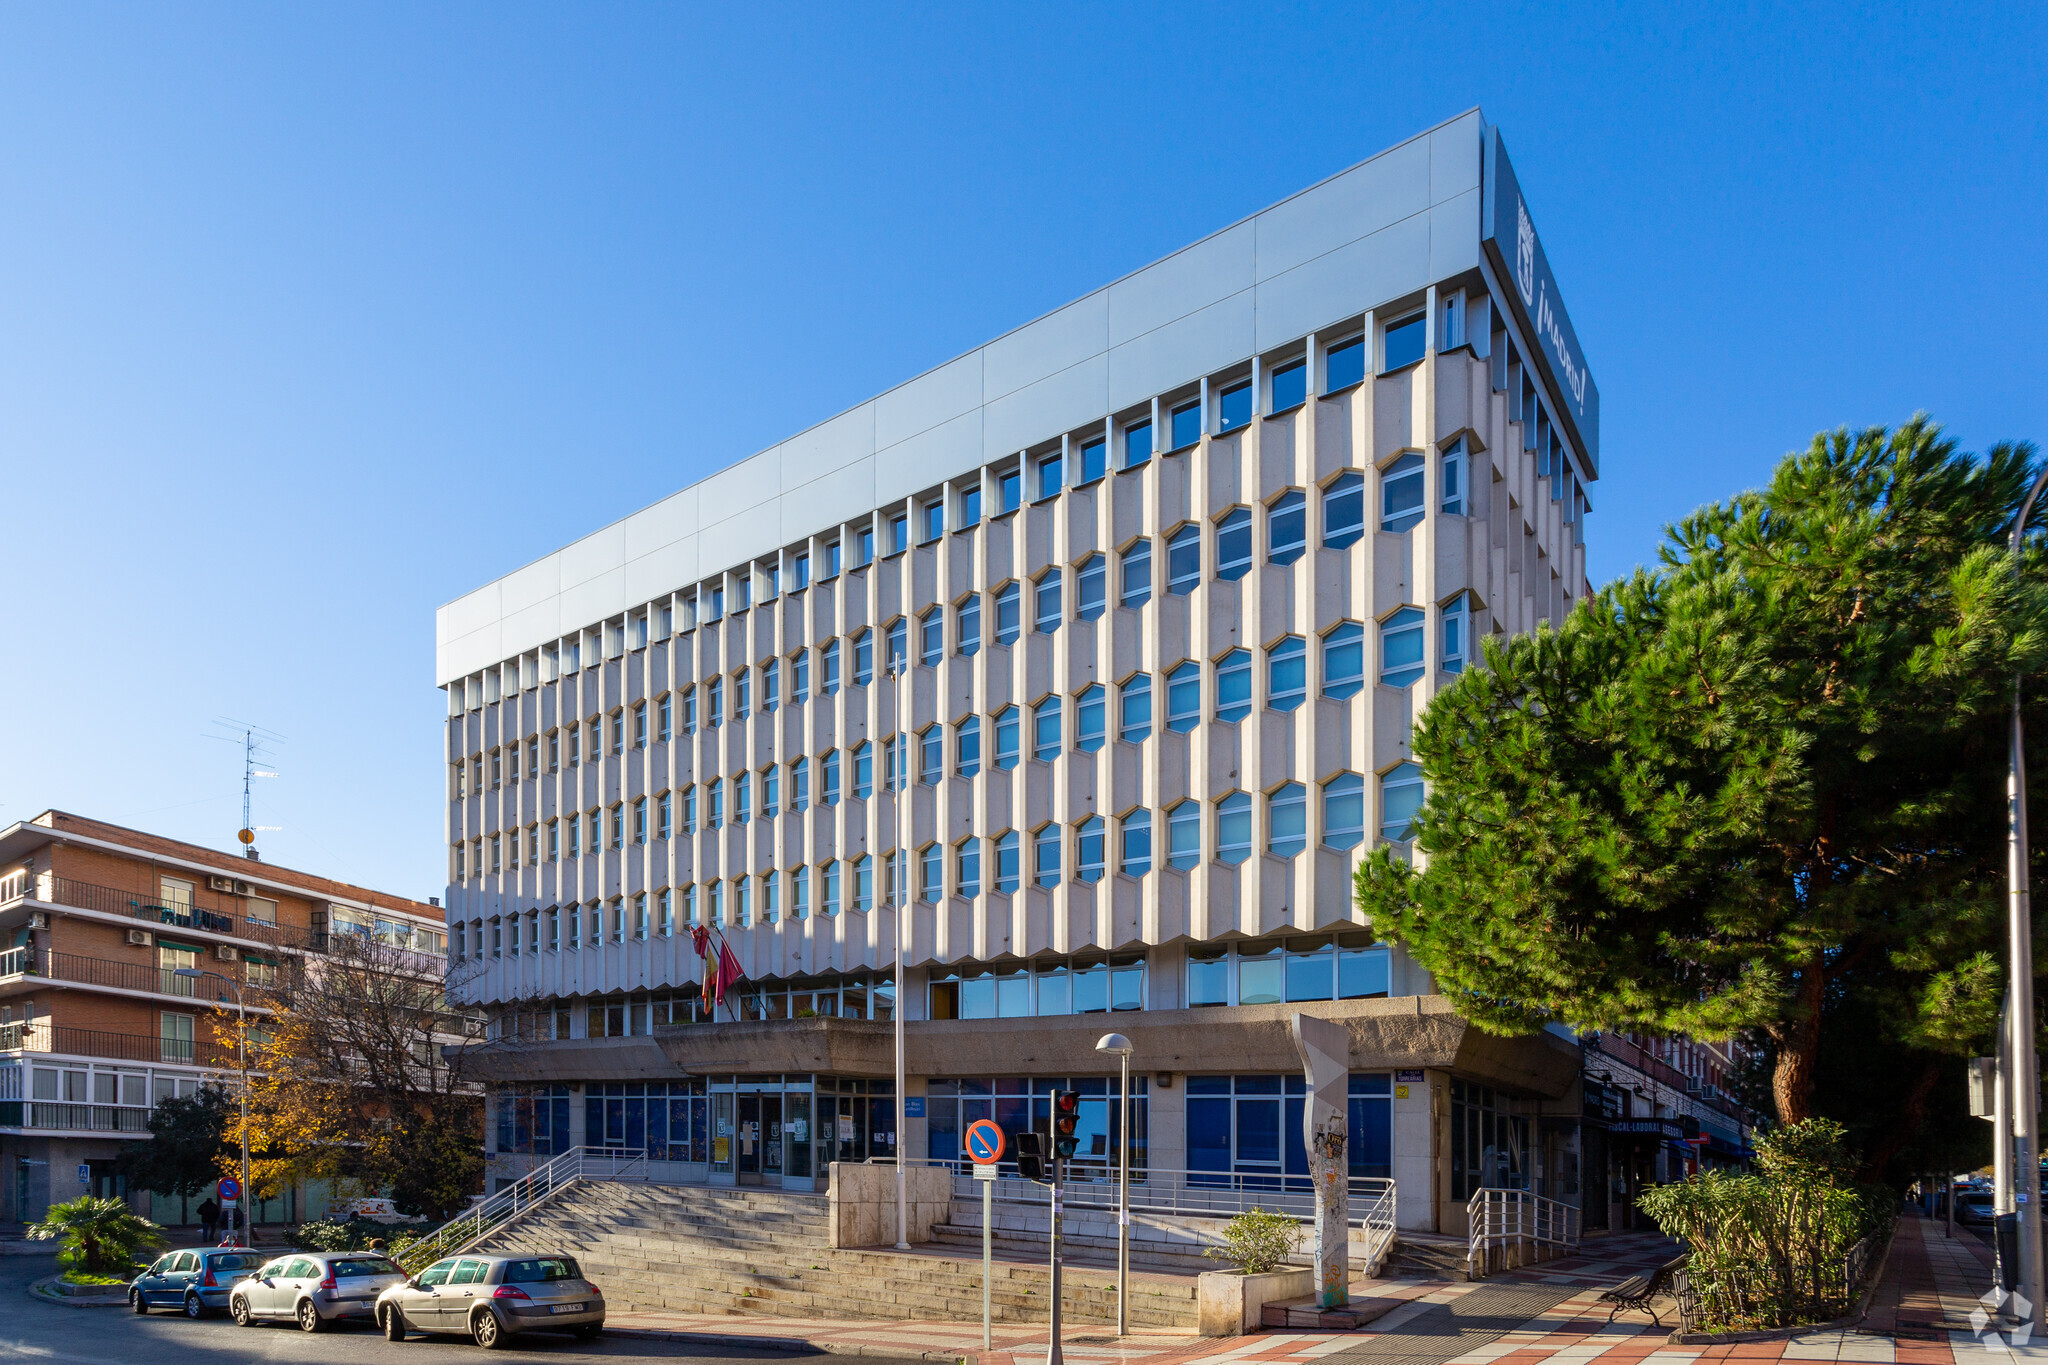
1919, 1315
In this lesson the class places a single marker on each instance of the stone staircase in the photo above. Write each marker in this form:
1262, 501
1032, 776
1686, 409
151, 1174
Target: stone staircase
1427, 1256
697, 1249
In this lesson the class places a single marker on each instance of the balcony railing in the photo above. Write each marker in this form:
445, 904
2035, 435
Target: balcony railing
97, 1118
112, 900
95, 971
41, 1035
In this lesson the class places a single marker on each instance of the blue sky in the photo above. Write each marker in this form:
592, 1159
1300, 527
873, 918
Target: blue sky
314, 317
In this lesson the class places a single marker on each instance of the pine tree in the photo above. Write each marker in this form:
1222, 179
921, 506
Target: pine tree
1726, 795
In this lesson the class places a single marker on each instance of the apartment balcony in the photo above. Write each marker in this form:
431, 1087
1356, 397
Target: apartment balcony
57, 1117
24, 969
219, 918
26, 1039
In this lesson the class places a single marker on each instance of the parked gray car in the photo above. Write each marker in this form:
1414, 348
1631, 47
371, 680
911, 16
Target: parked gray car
494, 1299
197, 1280
314, 1288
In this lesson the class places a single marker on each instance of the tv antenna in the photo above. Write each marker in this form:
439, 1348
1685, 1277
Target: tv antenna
258, 747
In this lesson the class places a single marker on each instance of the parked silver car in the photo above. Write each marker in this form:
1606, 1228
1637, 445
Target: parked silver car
493, 1299
314, 1288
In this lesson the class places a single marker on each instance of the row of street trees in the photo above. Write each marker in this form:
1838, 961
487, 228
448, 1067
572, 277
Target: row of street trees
357, 1077
1757, 791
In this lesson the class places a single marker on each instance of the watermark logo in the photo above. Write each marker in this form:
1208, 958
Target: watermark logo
2013, 1338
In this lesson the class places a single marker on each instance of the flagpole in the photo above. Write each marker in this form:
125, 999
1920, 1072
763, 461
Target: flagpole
901, 667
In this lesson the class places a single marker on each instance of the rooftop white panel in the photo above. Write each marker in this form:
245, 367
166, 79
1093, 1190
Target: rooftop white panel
1383, 229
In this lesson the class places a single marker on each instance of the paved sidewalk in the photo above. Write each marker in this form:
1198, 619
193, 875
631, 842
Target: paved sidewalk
1541, 1315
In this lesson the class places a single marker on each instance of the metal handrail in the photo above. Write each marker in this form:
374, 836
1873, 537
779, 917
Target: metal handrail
1156, 1189
1512, 1222
528, 1191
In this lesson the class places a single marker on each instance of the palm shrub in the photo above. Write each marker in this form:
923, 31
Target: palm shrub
1258, 1241
97, 1236
1772, 1249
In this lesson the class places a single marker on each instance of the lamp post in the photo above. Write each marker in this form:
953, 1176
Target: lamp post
899, 671
1119, 1047
2020, 1074
248, 1199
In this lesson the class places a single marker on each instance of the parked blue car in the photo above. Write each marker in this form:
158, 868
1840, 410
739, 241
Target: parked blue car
197, 1280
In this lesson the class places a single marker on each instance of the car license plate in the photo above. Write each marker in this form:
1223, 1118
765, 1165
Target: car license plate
566, 1308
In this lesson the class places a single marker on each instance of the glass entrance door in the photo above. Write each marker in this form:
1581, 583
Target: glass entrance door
750, 1140
796, 1129
771, 1140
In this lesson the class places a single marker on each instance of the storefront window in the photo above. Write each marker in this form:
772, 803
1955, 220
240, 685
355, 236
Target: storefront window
1018, 1104
1246, 1130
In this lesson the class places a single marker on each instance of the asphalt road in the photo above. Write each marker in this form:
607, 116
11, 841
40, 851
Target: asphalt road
32, 1330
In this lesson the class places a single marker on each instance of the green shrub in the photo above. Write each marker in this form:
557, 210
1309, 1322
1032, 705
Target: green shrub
351, 1234
1258, 1241
1772, 1249
98, 1236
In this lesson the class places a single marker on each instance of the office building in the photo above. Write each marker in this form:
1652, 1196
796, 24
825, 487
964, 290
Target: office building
1168, 575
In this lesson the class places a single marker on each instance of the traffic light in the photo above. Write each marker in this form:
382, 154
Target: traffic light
1030, 1155
1066, 1123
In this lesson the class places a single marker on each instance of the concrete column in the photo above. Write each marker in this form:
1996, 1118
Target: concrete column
1325, 1048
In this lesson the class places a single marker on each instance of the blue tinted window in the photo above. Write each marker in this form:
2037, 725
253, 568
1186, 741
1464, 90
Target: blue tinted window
1404, 342
1137, 444
1344, 512
1234, 409
1290, 385
1345, 365
934, 520
1184, 560
970, 508
1401, 494
1093, 461
1187, 425
1049, 476
1012, 488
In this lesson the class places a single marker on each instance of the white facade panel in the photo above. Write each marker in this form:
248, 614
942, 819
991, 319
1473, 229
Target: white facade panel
825, 502
660, 571
1391, 263
595, 555
1454, 236
538, 582
930, 400
1387, 189
1039, 349
1186, 282
929, 458
1057, 403
595, 598
667, 521
470, 613
832, 444
1454, 157
742, 488
1219, 335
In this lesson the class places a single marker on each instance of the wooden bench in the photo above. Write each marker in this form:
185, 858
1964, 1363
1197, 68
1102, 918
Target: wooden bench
1638, 1291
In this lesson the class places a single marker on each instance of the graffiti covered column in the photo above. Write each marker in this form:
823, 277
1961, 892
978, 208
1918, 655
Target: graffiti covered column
1325, 1049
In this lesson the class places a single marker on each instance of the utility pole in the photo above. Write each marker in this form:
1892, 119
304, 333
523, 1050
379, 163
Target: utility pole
2021, 1074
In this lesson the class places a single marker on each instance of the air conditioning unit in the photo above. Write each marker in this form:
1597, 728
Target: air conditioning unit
138, 938
214, 883
223, 952
38, 920
244, 889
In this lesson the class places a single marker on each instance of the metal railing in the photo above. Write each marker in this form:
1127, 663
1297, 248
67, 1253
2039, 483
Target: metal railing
139, 905
1510, 1228
1765, 1297
16, 962
96, 1118
536, 1187
40, 1035
1198, 1194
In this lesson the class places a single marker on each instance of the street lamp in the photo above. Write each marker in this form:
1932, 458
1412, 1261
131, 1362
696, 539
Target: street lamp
248, 1199
899, 670
1120, 1047
2020, 1075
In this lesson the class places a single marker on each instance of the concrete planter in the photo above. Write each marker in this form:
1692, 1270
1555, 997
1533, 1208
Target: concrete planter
1232, 1303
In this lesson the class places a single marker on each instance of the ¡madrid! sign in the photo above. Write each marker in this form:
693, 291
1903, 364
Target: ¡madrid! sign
1511, 238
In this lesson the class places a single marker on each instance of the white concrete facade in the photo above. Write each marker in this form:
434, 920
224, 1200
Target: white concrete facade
580, 687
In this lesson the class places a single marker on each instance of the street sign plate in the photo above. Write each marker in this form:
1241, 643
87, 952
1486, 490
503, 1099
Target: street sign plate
987, 1173
230, 1188
913, 1106
985, 1142
84, 1174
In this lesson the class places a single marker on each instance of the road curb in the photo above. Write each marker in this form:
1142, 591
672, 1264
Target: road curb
791, 1344
45, 1289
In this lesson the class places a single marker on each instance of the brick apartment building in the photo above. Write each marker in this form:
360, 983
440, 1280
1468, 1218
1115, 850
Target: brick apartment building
97, 1025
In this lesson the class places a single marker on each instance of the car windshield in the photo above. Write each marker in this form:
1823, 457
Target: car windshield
541, 1269
233, 1260
364, 1265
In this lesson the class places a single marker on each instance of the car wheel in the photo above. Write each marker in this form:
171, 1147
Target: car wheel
489, 1332
194, 1306
394, 1324
137, 1302
238, 1309
309, 1317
